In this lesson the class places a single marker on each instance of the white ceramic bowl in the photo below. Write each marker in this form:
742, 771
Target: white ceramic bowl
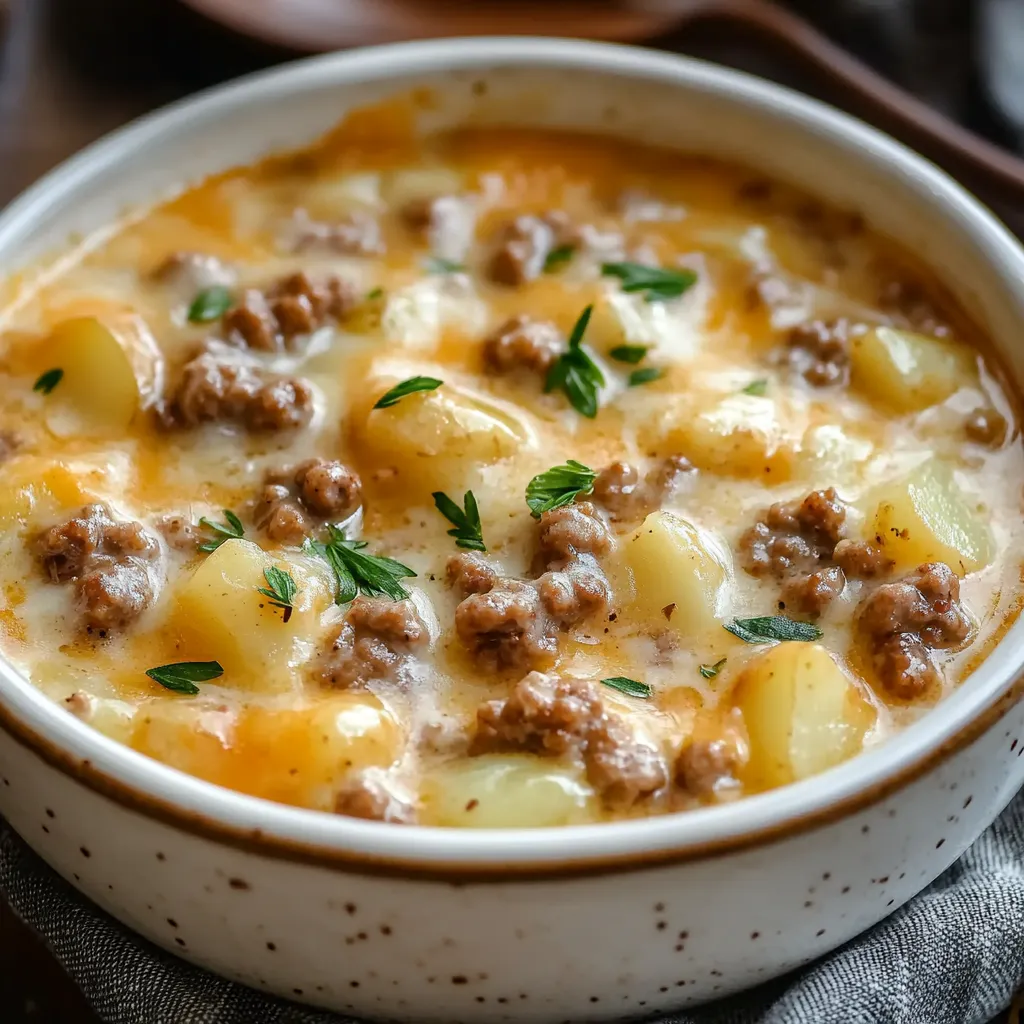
585, 922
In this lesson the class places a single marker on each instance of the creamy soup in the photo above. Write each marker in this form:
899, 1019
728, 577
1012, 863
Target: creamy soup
499, 479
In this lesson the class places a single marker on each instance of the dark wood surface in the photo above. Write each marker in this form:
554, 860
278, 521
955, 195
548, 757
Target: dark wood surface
71, 70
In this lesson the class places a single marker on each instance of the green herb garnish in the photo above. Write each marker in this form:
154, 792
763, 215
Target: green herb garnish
210, 304
658, 283
558, 486
576, 373
756, 387
631, 687
645, 375
357, 572
559, 255
628, 353
48, 381
407, 387
767, 628
468, 532
439, 265
183, 675
281, 589
710, 671
231, 530
375, 293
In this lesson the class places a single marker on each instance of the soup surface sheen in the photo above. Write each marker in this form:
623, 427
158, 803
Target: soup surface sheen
499, 479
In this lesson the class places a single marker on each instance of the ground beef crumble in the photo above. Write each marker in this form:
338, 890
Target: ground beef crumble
819, 350
506, 627
570, 531
703, 767
794, 535
379, 639
515, 624
109, 561
548, 715
523, 343
626, 495
525, 244
813, 593
445, 223
210, 390
469, 573
357, 234
904, 621
272, 320
179, 532
294, 500
574, 594
801, 543
373, 796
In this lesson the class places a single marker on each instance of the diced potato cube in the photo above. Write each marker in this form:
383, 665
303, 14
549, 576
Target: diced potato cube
439, 440
672, 329
322, 743
737, 434
506, 792
925, 518
329, 197
833, 452
802, 712
416, 316
671, 562
220, 615
326, 742
112, 369
36, 489
908, 372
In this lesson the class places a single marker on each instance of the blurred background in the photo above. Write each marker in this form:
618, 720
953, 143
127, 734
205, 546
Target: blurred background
71, 70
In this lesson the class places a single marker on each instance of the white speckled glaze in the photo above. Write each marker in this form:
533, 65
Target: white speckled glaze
581, 923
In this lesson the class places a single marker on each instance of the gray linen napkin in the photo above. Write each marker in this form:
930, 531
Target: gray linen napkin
953, 955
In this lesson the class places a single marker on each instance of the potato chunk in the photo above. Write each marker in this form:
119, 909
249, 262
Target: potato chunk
736, 435
672, 329
319, 744
673, 564
438, 440
221, 616
498, 791
802, 712
112, 369
908, 372
925, 518
36, 489
420, 314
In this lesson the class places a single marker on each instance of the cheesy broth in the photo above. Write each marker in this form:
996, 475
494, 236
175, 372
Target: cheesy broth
783, 518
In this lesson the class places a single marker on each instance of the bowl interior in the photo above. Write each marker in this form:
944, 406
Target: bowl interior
633, 94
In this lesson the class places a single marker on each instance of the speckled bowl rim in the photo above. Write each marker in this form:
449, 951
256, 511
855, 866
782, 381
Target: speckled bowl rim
273, 829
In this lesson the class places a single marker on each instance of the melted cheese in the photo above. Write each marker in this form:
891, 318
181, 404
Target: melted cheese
268, 726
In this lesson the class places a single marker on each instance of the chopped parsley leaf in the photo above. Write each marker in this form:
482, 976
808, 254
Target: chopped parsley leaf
182, 676
407, 387
231, 530
558, 486
468, 532
48, 381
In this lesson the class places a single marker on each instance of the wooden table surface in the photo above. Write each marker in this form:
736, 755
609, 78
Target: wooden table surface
71, 70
